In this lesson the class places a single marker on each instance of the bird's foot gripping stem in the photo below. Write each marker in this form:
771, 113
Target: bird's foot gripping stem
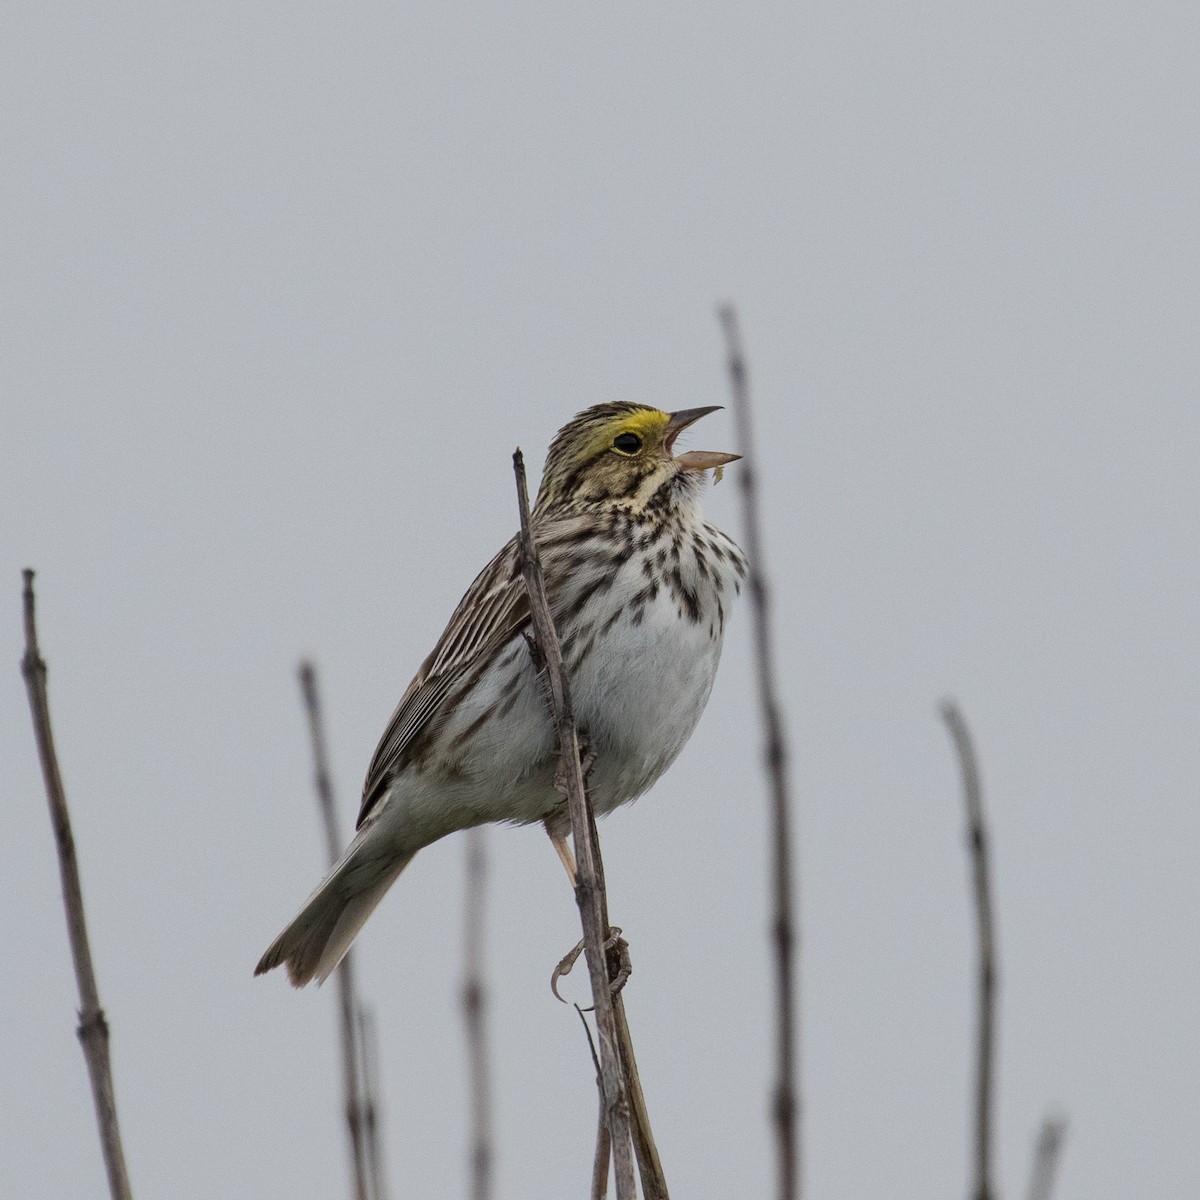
616, 955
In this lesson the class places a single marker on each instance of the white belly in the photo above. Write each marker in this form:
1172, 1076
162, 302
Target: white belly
638, 697
638, 692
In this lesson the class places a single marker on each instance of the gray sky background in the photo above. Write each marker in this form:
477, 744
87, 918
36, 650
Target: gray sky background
284, 285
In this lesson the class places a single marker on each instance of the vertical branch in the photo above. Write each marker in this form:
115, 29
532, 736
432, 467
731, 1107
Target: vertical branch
351, 1083
369, 1051
93, 1028
986, 1018
650, 1170
1046, 1156
786, 1100
603, 1153
589, 890
474, 999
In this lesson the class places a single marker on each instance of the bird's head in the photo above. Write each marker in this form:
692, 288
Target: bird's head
624, 453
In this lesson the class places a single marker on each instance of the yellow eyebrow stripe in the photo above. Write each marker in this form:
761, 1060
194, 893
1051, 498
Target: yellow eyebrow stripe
648, 424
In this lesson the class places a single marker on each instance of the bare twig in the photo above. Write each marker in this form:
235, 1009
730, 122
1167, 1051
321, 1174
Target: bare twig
987, 972
786, 1106
603, 1155
351, 1084
93, 1028
369, 1050
1046, 1157
474, 999
654, 1182
603, 1152
650, 1170
589, 890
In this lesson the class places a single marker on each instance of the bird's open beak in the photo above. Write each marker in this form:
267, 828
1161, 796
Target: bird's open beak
694, 460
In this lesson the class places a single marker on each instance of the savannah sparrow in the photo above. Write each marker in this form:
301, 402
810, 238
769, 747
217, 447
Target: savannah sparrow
639, 587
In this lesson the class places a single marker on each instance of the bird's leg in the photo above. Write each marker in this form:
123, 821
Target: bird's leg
587, 757
616, 948
587, 763
563, 848
587, 760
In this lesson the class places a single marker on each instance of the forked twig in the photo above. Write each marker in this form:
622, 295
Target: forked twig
977, 844
786, 1107
1046, 1157
347, 1004
589, 890
93, 1028
474, 1000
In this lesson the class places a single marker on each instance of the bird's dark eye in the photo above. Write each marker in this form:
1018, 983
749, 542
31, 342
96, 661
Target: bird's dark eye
627, 443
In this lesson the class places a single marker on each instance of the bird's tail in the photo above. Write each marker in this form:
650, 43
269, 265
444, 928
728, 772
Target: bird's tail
317, 940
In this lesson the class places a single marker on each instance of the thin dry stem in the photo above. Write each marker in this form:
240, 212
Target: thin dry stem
369, 1049
1046, 1157
589, 892
347, 1004
977, 843
786, 1100
93, 1028
650, 1170
474, 1001
603, 1153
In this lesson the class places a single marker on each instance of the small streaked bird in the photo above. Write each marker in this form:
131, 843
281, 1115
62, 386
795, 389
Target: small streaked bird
640, 586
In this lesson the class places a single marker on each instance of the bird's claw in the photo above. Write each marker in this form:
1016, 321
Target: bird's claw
565, 964
620, 966
616, 954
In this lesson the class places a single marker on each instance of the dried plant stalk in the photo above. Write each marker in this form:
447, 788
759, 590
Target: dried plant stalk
369, 1052
603, 1155
474, 1001
1046, 1157
786, 1106
589, 892
650, 1170
977, 843
603, 1152
347, 1004
93, 1028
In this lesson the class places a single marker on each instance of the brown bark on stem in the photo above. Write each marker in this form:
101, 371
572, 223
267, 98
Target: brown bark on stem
93, 1028
785, 1101
369, 1051
603, 1152
589, 891
977, 844
650, 1169
347, 1004
474, 1001
1046, 1156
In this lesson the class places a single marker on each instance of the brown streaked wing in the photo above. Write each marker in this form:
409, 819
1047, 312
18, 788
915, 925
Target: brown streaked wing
494, 610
